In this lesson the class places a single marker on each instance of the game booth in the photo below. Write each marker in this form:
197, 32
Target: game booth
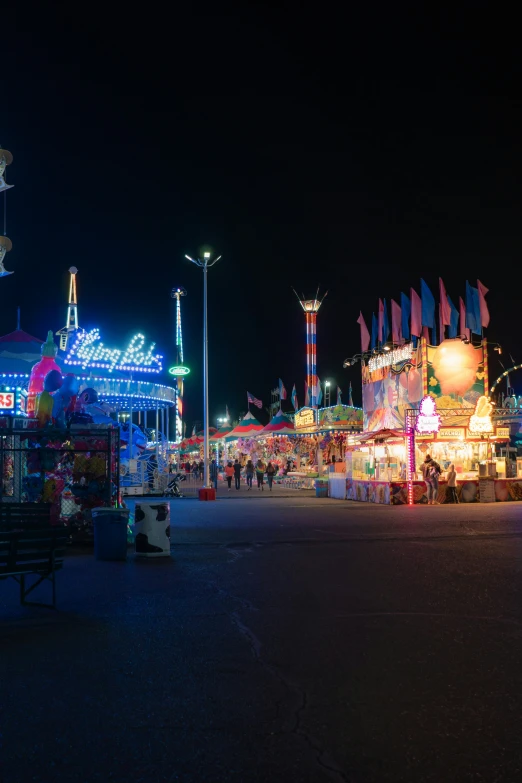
421, 399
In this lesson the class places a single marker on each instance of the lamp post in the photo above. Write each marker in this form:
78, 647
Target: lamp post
205, 263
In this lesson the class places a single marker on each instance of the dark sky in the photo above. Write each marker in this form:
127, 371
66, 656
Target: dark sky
355, 151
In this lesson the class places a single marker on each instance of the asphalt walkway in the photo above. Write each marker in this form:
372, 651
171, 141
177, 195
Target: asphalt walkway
286, 639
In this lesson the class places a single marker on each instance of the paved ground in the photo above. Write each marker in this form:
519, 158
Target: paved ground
288, 639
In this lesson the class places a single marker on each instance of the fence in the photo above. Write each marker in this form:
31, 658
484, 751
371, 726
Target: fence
73, 470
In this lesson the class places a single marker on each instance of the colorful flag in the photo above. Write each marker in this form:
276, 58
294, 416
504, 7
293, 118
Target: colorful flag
454, 320
227, 414
350, 396
282, 390
406, 312
445, 309
193, 430
307, 396
484, 312
428, 306
374, 331
396, 314
386, 324
294, 398
365, 334
339, 392
380, 320
254, 400
473, 318
416, 313
320, 392
463, 328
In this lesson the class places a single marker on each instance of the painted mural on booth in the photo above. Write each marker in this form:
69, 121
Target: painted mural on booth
456, 374
389, 391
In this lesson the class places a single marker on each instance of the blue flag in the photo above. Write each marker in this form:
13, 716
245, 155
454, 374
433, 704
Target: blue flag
319, 392
473, 319
294, 398
453, 330
386, 324
428, 306
375, 327
406, 312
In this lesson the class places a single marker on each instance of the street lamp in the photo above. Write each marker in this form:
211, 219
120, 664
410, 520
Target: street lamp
205, 263
327, 394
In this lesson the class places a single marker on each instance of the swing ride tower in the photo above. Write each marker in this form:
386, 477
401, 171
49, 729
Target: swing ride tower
310, 309
71, 324
176, 294
6, 245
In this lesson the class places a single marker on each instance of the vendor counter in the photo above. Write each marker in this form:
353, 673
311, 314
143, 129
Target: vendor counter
395, 493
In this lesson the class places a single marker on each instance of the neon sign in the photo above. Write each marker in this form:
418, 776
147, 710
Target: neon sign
480, 422
178, 370
428, 420
89, 351
398, 355
7, 401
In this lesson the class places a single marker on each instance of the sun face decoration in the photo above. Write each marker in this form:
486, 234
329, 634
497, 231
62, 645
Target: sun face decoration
456, 365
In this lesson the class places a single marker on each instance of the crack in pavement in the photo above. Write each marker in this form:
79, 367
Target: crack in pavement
323, 759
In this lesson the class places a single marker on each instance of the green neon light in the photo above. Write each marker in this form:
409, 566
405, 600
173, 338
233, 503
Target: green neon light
178, 370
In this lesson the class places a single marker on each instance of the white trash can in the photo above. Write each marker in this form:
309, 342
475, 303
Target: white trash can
152, 529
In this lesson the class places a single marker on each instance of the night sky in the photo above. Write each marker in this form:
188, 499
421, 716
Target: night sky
355, 152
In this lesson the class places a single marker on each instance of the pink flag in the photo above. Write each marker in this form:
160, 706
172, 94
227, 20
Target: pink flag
396, 315
381, 321
484, 312
365, 334
441, 324
463, 329
445, 309
416, 314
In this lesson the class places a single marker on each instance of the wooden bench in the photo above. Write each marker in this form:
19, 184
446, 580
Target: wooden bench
39, 552
24, 516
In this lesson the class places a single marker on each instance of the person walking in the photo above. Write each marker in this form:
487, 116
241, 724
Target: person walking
229, 475
430, 473
201, 469
452, 484
249, 470
260, 474
270, 473
237, 474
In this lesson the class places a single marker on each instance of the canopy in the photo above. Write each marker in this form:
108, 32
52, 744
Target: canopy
221, 432
246, 427
380, 435
280, 425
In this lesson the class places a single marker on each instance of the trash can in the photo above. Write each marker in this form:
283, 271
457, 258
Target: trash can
152, 529
110, 533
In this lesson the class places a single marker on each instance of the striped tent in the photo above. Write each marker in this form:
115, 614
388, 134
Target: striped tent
221, 432
246, 428
279, 425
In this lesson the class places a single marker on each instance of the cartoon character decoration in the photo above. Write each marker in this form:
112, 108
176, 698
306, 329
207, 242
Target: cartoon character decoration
39, 373
5, 246
86, 398
6, 158
139, 441
45, 402
481, 422
64, 399
456, 365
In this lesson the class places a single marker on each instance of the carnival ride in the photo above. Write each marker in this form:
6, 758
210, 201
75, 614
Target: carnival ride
310, 309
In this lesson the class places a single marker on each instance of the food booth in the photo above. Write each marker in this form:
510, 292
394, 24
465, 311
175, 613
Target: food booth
421, 399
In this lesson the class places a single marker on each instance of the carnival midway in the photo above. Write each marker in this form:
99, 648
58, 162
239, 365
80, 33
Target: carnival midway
85, 426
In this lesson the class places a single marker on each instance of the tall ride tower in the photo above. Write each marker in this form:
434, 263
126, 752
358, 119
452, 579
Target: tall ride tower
311, 308
71, 325
176, 294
